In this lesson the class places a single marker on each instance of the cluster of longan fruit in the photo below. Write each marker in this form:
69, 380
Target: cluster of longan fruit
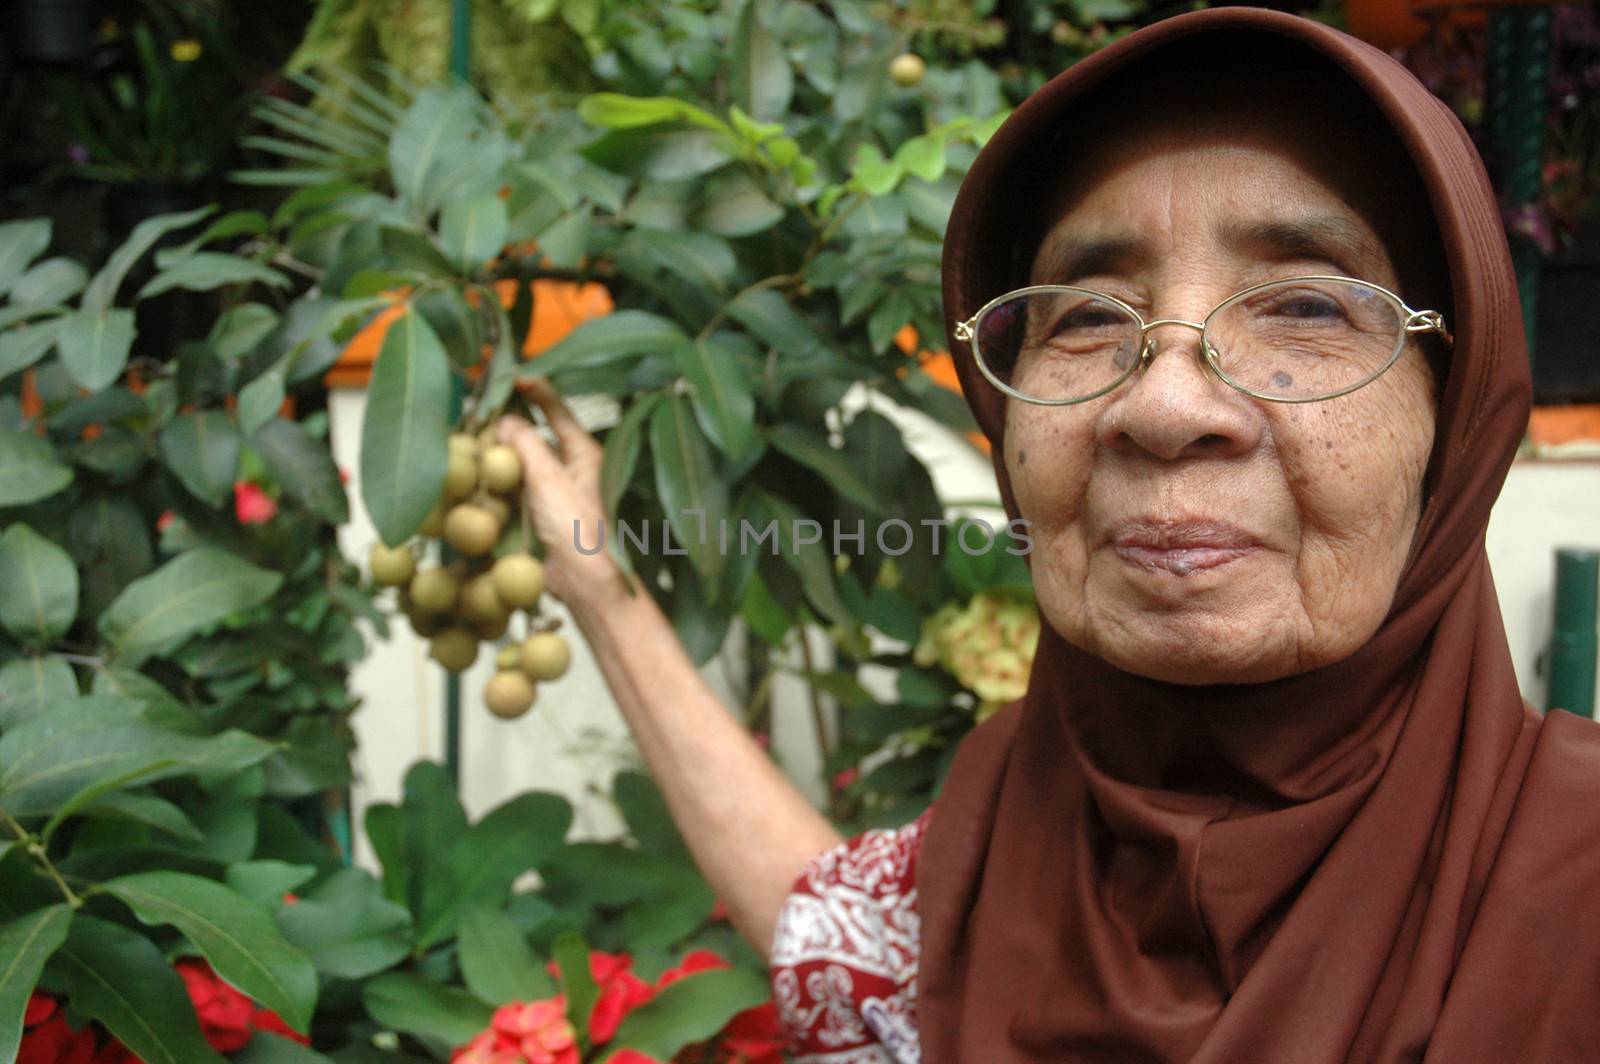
464, 603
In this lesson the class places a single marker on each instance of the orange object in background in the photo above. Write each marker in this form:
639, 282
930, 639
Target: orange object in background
942, 368
558, 308
1385, 23
1564, 424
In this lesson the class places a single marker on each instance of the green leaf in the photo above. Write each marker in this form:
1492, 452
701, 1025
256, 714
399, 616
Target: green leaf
622, 445
428, 143
206, 270
120, 978
812, 450
689, 1010
698, 258
723, 402
265, 1047
24, 345
25, 944
240, 328
50, 758
687, 479
620, 336
29, 469
414, 1004
102, 291
403, 454
202, 450
662, 154
265, 882
762, 81
94, 346
236, 935
20, 243
737, 205
922, 156
810, 561
872, 173
50, 283
30, 686
502, 369
260, 400
481, 864
496, 963
770, 319
613, 110
347, 926
304, 467
473, 230
411, 250
41, 586
570, 954
197, 588
143, 809
566, 239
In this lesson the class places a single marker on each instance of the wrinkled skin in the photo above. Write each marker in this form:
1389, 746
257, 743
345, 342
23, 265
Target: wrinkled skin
1320, 500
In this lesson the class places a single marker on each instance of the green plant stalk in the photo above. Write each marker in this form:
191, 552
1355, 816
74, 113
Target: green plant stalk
35, 848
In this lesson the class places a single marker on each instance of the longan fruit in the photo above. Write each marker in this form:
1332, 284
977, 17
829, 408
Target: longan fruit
454, 648
518, 580
479, 603
509, 694
461, 475
544, 656
433, 524
907, 69
471, 529
391, 566
501, 468
433, 590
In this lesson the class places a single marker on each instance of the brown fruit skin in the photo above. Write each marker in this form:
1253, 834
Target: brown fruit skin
518, 580
471, 529
907, 69
509, 694
391, 566
479, 603
425, 624
501, 468
496, 506
433, 591
461, 475
454, 648
544, 656
489, 631
433, 524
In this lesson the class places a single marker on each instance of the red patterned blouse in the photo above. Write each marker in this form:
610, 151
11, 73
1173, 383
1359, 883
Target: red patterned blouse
844, 957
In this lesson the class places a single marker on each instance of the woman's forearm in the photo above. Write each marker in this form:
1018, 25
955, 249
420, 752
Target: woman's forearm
750, 831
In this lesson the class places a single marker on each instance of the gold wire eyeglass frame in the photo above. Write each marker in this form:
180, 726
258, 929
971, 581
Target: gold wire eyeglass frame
1414, 322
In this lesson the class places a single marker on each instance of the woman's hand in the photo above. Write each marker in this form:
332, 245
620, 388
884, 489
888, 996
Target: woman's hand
561, 486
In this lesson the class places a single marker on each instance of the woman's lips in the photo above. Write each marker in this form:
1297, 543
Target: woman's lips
1180, 547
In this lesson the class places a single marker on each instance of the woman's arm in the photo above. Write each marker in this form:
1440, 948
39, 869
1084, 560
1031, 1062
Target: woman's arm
750, 831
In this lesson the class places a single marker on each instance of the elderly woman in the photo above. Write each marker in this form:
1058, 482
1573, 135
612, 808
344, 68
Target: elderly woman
1232, 301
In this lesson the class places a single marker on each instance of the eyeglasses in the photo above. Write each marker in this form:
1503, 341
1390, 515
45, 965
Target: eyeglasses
1299, 340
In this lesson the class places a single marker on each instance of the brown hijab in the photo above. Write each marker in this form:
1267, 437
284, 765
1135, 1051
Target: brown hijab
1389, 858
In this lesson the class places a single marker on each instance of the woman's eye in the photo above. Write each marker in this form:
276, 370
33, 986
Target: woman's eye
1087, 318
1307, 306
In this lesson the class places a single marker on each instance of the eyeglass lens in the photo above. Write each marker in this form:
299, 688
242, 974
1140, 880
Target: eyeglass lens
1298, 339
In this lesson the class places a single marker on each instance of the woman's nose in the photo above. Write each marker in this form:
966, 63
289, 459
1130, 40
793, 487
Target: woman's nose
1175, 407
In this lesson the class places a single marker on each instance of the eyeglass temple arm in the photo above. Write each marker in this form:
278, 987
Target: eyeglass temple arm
1429, 321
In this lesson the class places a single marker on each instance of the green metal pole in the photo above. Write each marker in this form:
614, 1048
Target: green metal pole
1517, 81
1573, 644
460, 69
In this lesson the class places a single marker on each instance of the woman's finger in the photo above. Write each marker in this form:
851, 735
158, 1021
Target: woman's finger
573, 436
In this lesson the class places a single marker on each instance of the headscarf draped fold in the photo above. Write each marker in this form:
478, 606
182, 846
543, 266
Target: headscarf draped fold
1389, 858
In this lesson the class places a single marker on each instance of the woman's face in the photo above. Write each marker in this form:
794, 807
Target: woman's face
1183, 530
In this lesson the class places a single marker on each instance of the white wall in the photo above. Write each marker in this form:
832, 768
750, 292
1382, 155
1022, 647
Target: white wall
574, 738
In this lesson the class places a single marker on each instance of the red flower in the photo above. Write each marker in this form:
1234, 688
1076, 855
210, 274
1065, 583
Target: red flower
719, 912
620, 992
114, 1052
165, 520
290, 897
539, 1030
845, 778
700, 960
55, 1042
631, 1056
251, 505
754, 1036
484, 1049
228, 1018
40, 1007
